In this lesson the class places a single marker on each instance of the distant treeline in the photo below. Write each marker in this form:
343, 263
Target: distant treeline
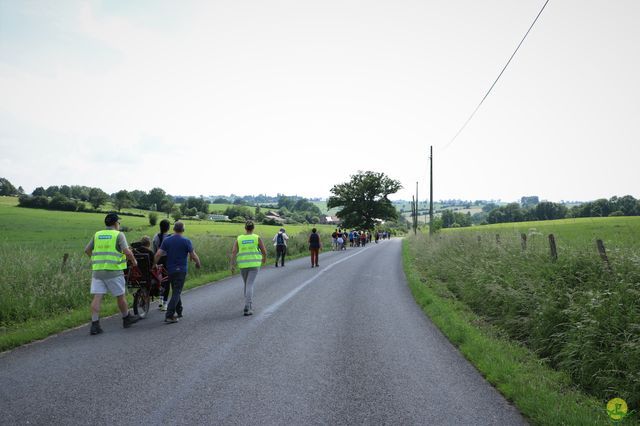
288, 209
531, 210
77, 198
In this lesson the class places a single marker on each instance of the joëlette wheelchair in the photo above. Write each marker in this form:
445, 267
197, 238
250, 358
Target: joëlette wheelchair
146, 280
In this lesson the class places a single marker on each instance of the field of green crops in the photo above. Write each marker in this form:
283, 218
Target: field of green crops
578, 313
220, 208
33, 242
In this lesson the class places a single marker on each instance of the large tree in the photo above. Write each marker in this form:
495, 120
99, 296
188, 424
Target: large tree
363, 200
6, 188
155, 197
122, 199
97, 197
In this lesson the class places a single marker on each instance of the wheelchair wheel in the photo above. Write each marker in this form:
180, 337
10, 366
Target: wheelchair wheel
141, 302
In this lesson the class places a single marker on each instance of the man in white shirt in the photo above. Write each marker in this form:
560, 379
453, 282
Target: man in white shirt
280, 241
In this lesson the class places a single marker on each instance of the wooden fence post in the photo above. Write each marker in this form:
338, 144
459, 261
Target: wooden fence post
552, 246
64, 261
603, 253
523, 237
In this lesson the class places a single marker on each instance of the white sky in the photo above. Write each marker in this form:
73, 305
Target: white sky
249, 97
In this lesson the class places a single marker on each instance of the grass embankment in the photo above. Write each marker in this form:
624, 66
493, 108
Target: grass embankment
516, 313
38, 297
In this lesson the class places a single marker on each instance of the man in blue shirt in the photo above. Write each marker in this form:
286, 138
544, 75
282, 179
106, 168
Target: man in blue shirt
177, 249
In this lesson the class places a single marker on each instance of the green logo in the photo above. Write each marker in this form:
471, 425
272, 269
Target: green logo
617, 409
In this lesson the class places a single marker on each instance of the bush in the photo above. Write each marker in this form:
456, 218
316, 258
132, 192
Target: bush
153, 218
60, 202
616, 213
176, 213
35, 202
270, 221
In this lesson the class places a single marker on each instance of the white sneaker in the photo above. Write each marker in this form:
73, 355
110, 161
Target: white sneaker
163, 307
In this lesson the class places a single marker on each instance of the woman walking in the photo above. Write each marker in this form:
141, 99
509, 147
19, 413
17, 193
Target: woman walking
249, 254
315, 245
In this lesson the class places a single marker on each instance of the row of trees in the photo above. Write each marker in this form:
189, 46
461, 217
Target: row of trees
546, 210
615, 206
290, 209
74, 197
514, 212
530, 209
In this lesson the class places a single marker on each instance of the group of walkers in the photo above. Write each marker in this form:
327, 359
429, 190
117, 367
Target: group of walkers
109, 252
355, 238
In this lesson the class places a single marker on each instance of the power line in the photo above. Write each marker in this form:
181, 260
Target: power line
498, 78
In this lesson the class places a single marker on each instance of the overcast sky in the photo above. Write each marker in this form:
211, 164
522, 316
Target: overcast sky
248, 97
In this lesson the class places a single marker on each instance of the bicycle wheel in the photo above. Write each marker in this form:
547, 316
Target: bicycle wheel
141, 302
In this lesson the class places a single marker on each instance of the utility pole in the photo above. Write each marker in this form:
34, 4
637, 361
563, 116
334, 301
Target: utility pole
431, 191
414, 214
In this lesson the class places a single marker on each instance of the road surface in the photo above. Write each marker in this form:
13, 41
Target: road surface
344, 343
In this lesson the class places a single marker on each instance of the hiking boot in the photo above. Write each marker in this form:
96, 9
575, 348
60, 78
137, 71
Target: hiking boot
129, 320
171, 320
95, 328
247, 310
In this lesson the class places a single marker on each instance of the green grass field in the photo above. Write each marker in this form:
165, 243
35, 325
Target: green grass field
572, 233
35, 289
70, 230
322, 205
578, 314
220, 208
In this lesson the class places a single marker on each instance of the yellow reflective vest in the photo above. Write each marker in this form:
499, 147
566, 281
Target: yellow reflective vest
249, 254
105, 256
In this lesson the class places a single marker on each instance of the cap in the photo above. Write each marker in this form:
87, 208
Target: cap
111, 219
178, 227
282, 230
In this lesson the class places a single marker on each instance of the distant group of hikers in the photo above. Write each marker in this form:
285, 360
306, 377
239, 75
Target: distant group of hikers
109, 253
355, 238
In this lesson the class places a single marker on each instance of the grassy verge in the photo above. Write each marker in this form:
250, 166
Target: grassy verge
543, 395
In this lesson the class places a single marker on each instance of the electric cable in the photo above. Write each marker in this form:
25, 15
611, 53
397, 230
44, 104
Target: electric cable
496, 80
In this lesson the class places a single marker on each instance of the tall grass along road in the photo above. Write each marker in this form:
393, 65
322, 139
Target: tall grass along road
577, 312
344, 343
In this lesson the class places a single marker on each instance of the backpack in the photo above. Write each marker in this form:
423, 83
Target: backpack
280, 239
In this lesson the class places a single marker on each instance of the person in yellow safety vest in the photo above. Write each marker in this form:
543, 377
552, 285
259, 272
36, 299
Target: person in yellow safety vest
249, 254
109, 251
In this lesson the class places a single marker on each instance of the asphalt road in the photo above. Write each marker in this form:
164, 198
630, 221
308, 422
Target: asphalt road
341, 344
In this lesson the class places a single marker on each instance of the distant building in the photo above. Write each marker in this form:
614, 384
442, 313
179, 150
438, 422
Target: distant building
218, 217
274, 216
329, 220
